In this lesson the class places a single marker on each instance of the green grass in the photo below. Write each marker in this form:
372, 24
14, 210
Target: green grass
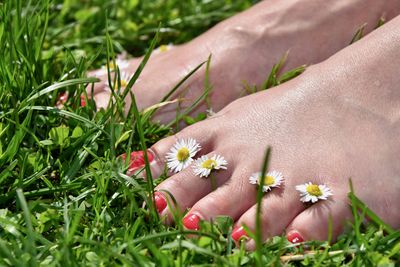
64, 197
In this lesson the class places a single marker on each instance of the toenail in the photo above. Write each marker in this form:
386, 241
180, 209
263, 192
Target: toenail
191, 222
83, 101
137, 161
62, 98
294, 237
238, 233
160, 201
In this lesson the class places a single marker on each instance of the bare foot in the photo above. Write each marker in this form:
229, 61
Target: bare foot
340, 119
245, 47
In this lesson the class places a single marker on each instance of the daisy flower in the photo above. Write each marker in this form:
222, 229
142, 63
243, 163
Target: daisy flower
124, 79
271, 179
204, 165
163, 48
210, 112
313, 192
181, 154
121, 63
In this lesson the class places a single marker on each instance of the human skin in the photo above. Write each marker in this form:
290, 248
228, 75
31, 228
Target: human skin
246, 46
339, 119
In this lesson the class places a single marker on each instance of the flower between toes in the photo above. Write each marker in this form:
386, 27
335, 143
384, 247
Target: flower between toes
209, 164
314, 190
181, 154
272, 179
204, 165
310, 192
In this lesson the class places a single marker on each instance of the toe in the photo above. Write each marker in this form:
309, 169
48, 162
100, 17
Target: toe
232, 199
160, 150
278, 208
185, 188
314, 222
102, 98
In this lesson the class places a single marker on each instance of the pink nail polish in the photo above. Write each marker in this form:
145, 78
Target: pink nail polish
238, 233
191, 222
160, 201
295, 237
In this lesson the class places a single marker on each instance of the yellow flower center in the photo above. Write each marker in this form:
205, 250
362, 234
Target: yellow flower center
124, 83
314, 190
209, 164
269, 180
111, 66
163, 48
183, 154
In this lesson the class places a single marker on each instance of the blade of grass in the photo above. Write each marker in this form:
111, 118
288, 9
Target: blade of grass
174, 89
31, 243
358, 204
139, 128
191, 107
260, 194
60, 85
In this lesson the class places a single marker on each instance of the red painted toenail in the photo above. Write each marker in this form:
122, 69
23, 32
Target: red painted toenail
160, 201
62, 98
238, 233
83, 102
191, 222
295, 237
137, 161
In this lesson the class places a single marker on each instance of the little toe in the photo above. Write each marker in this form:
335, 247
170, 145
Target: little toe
320, 221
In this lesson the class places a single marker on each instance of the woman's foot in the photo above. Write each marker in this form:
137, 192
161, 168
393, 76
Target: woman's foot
339, 120
245, 47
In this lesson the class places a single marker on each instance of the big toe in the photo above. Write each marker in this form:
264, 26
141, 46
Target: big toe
102, 99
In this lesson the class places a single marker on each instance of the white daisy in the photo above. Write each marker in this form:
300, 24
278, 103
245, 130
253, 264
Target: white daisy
271, 179
181, 154
124, 79
163, 48
210, 112
313, 192
121, 63
204, 165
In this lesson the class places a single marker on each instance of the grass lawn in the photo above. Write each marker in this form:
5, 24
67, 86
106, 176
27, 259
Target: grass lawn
64, 197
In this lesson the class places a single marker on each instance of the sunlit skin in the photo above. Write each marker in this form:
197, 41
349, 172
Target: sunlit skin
245, 47
339, 119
